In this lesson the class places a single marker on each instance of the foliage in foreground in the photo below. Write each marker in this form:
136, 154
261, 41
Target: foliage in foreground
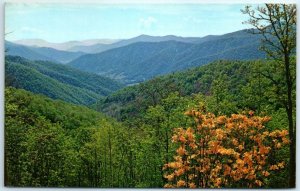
236, 152
55, 144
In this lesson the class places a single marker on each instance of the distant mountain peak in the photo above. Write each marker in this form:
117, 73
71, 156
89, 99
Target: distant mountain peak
171, 35
143, 35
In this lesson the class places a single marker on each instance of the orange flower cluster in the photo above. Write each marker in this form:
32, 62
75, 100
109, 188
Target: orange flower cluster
224, 152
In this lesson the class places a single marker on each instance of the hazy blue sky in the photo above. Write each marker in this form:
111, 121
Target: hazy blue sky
65, 22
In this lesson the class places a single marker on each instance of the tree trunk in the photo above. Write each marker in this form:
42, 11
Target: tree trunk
292, 130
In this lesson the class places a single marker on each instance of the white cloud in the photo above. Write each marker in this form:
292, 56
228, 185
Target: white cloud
147, 22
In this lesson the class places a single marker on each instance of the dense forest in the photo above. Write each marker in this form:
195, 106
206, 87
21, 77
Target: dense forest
226, 124
133, 151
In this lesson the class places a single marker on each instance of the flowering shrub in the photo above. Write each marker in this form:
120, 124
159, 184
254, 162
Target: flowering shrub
221, 151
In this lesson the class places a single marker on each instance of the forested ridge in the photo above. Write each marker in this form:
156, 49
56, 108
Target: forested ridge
40, 53
233, 85
57, 81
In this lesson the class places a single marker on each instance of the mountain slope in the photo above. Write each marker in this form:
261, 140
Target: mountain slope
41, 53
57, 81
57, 55
95, 48
133, 101
144, 60
23, 51
244, 47
126, 62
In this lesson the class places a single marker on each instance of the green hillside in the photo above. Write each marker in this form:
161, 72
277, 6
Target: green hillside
52, 143
231, 79
57, 81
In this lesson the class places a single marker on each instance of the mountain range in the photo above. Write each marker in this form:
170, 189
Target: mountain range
141, 61
143, 57
64, 45
97, 48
